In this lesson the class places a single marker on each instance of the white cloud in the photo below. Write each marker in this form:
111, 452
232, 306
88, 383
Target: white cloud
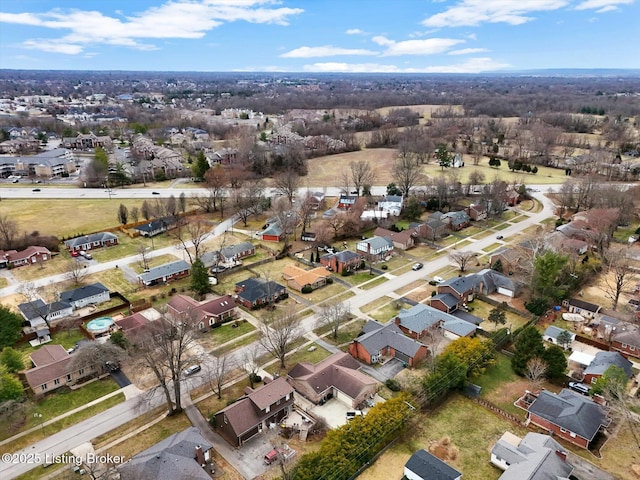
174, 19
467, 51
354, 31
474, 65
429, 46
602, 5
325, 51
476, 12
53, 47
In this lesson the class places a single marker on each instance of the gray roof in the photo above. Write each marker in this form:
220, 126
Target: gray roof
553, 332
459, 327
258, 288
571, 411
345, 256
448, 299
430, 467
94, 237
603, 360
460, 284
457, 218
37, 308
392, 198
167, 269
171, 458
534, 458
420, 317
494, 280
83, 292
232, 250
388, 335
378, 242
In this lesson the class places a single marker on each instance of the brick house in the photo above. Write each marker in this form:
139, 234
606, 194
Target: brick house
601, 363
208, 313
165, 273
380, 341
298, 278
89, 242
456, 220
255, 411
346, 202
627, 340
29, 256
50, 370
421, 321
341, 261
568, 415
254, 292
453, 293
337, 376
477, 212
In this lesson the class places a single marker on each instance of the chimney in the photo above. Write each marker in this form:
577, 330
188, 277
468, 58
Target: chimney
200, 456
398, 320
562, 454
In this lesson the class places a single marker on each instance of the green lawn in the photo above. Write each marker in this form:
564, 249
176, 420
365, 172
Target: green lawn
346, 333
313, 354
497, 374
492, 247
373, 283
234, 345
358, 278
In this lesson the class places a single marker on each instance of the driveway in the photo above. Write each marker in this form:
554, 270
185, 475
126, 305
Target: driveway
384, 372
121, 379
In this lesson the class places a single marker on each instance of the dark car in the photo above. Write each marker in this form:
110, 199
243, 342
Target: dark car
155, 193
35, 190
112, 366
500, 237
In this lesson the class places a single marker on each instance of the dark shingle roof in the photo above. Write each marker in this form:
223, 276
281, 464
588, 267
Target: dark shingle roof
460, 284
389, 335
83, 292
590, 307
257, 288
430, 467
167, 269
603, 360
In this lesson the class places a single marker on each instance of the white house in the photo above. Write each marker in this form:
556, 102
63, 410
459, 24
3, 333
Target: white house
391, 204
86, 295
375, 248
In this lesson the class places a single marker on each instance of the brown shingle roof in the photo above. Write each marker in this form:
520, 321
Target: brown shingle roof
270, 393
48, 354
218, 306
46, 373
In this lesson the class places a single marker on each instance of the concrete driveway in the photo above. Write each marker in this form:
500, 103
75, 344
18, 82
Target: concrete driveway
384, 372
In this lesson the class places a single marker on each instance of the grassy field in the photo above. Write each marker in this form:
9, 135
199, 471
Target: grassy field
452, 420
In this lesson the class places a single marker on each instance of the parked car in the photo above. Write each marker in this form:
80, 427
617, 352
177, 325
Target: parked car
351, 414
417, 266
112, 366
582, 388
15, 180
192, 369
74, 254
271, 457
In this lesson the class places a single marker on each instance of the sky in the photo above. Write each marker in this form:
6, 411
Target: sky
354, 36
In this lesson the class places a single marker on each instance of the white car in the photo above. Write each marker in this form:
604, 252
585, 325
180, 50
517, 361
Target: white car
438, 279
192, 369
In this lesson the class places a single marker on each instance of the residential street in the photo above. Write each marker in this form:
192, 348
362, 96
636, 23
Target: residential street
85, 431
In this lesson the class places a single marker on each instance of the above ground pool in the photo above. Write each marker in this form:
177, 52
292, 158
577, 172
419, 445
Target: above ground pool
99, 325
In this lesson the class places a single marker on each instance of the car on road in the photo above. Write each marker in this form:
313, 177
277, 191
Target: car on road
582, 388
155, 193
192, 369
438, 279
35, 190
500, 237
417, 266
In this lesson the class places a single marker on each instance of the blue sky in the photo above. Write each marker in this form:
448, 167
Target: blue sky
392, 36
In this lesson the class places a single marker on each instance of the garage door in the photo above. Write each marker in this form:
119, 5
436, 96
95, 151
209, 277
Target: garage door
402, 356
343, 397
506, 292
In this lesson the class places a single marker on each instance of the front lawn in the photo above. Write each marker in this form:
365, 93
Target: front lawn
225, 333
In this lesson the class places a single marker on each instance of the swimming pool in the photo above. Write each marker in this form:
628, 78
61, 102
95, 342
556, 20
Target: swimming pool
99, 325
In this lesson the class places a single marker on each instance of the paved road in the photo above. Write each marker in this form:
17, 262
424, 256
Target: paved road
87, 430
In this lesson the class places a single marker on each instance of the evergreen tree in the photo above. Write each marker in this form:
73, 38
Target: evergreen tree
556, 362
10, 327
527, 346
498, 316
200, 166
199, 278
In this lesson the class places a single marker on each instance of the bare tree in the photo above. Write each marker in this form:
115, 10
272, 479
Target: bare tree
246, 200
8, 232
217, 182
94, 356
276, 336
76, 271
250, 359
462, 259
192, 236
362, 175
333, 315
135, 214
166, 347
287, 217
218, 373
536, 369
306, 211
37, 307
406, 172
619, 275
287, 183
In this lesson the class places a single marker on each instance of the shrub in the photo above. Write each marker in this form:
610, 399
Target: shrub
392, 385
255, 378
307, 289
329, 280
432, 283
384, 267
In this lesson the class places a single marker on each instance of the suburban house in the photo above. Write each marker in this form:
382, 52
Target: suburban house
454, 293
50, 369
511, 197
551, 335
456, 220
391, 204
86, 295
423, 465
156, 227
36, 311
341, 261
273, 233
89, 242
386, 340
347, 202
255, 411
534, 457
421, 321
315, 200
401, 240
210, 312
560, 243
509, 258
375, 248
181, 455
489, 281
626, 339
477, 212
432, 228
228, 256
165, 273
29, 256
601, 363
337, 376
298, 278
568, 415
586, 309
132, 325
254, 292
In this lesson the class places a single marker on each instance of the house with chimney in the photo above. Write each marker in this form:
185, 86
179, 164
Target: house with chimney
422, 321
477, 212
382, 341
256, 292
454, 293
255, 412
344, 260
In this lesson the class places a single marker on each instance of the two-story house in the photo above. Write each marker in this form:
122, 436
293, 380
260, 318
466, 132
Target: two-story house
86, 295
453, 293
255, 411
375, 248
